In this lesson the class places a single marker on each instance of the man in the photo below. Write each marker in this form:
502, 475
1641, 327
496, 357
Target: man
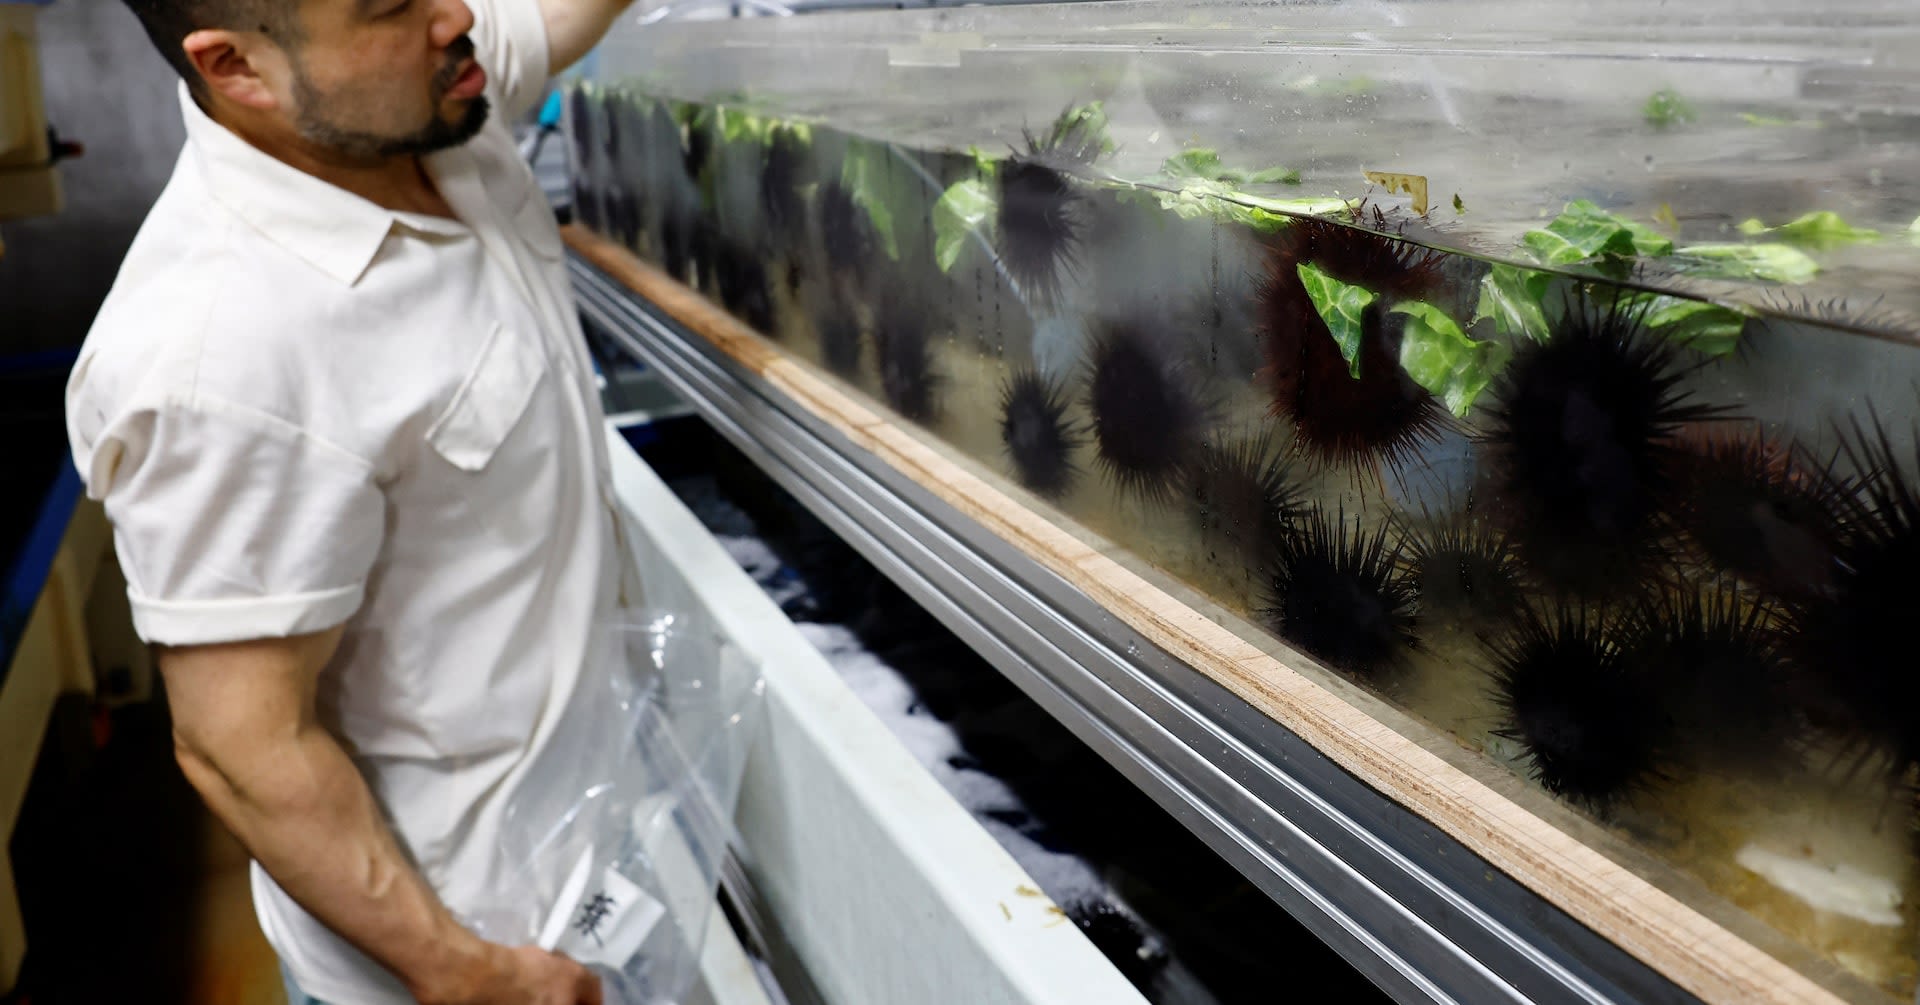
339, 411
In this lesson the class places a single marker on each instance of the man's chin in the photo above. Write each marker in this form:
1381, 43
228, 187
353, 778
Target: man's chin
468, 118
462, 122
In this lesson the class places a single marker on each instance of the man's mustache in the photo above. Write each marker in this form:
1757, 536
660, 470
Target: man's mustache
458, 53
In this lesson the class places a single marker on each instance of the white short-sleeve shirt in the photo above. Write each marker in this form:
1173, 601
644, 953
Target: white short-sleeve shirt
303, 410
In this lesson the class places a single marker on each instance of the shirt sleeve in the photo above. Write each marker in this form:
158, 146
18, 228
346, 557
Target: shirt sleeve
510, 40
231, 524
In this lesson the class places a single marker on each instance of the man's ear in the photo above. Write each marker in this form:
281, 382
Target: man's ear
237, 65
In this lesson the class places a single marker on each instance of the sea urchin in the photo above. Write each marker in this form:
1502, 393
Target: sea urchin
1582, 436
1148, 412
1338, 417
901, 343
1341, 594
1245, 495
1039, 436
1590, 723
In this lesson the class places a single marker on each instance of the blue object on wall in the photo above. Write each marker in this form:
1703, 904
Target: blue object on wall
44, 488
28, 576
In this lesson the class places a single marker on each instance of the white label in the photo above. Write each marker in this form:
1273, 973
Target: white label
609, 920
576, 885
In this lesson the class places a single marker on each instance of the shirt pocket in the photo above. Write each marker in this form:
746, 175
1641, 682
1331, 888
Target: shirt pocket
490, 401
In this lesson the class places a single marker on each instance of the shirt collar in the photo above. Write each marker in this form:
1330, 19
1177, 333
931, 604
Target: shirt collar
332, 229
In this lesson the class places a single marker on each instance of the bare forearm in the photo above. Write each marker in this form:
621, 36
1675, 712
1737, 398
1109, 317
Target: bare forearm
575, 26
304, 812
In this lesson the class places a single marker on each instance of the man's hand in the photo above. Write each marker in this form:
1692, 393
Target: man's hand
520, 975
246, 736
529, 975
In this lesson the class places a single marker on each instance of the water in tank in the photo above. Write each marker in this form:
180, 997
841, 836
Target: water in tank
1544, 370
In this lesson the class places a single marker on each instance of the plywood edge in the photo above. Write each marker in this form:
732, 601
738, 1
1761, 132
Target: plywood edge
1682, 944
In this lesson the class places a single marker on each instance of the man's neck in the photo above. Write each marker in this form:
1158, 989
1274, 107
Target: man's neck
399, 183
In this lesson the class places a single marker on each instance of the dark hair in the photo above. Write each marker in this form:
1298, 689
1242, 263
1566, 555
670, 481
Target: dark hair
169, 22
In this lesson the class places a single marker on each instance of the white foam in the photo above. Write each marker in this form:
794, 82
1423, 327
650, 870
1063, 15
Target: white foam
1834, 887
933, 743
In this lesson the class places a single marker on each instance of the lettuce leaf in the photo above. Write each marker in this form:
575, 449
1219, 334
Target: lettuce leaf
1513, 297
1439, 356
1772, 262
1584, 230
962, 210
1340, 306
1821, 229
862, 172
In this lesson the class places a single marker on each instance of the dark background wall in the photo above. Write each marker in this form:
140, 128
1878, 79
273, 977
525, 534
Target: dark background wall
106, 87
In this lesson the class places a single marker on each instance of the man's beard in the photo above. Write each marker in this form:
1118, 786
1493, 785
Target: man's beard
354, 144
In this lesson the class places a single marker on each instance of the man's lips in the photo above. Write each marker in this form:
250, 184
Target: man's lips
469, 83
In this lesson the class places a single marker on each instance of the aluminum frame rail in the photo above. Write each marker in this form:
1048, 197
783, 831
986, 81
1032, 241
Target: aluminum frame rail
1413, 909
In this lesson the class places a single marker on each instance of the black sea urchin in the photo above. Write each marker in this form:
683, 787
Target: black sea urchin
1854, 644
1582, 436
1149, 412
1038, 226
1245, 495
1467, 571
587, 176
704, 248
1382, 414
1039, 436
1763, 511
1591, 725
630, 203
1040, 217
1722, 676
787, 169
744, 288
697, 148
621, 215
902, 350
838, 327
845, 231
1341, 594
677, 230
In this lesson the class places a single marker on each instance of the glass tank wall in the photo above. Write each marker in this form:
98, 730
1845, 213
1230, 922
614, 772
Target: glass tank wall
1547, 370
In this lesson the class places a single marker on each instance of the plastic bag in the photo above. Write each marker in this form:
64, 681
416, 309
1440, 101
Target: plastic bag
615, 836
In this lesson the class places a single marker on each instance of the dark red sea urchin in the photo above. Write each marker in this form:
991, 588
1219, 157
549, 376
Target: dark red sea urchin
1381, 415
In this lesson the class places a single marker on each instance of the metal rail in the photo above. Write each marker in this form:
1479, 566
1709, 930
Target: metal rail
1410, 907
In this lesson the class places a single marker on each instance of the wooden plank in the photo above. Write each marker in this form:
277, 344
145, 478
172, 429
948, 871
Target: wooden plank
1684, 945
33, 683
683, 303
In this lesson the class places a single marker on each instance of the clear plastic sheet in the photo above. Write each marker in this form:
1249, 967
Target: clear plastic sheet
615, 837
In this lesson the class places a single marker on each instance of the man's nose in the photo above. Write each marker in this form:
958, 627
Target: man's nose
451, 19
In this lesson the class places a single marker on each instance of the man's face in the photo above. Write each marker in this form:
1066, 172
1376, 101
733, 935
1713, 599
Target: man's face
374, 79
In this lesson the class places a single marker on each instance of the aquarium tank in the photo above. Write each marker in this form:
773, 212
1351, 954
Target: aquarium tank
1545, 370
